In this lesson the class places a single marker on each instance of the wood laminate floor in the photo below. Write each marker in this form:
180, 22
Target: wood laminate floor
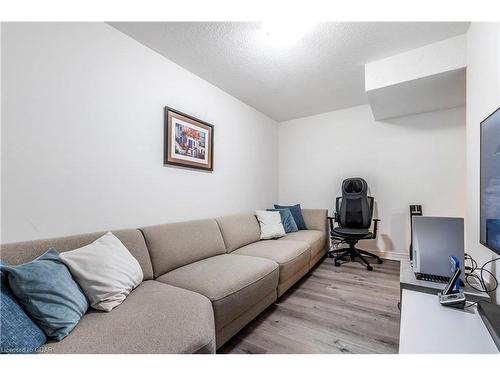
332, 309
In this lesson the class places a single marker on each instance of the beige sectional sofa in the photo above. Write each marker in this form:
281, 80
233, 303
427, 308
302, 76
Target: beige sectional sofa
204, 280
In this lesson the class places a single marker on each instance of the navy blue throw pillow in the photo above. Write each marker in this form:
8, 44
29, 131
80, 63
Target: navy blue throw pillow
18, 333
286, 219
47, 292
297, 215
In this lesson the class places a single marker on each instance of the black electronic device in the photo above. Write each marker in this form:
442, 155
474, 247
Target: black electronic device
415, 210
489, 228
451, 286
452, 295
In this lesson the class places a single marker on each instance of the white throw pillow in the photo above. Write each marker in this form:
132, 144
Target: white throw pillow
270, 224
105, 270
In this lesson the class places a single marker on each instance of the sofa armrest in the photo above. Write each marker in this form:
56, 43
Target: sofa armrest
316, 219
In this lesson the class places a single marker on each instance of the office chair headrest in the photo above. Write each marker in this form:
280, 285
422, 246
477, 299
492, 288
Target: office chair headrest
354, 186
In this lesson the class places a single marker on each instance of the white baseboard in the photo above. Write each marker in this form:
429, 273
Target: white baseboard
391, 255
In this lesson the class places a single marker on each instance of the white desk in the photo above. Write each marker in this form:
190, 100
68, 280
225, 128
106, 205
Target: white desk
428, 328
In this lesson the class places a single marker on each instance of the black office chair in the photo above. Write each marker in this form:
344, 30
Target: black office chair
353, 214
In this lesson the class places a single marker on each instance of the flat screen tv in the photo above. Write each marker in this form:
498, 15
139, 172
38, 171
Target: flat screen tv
490, 182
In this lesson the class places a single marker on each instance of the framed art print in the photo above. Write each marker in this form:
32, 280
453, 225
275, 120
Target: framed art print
188, 141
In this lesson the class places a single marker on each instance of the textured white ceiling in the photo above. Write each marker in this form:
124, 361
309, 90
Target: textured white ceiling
322, 71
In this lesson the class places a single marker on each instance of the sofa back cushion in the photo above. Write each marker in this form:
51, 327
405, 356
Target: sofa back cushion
174, 245
22, 252
239, 230
316, 219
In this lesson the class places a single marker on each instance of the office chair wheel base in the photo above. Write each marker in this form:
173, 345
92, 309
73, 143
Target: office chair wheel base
330, 255
369, 268
337, 264
380, 261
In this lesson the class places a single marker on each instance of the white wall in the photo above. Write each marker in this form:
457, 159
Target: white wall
412, 160
483, 97
443, 56
82, 136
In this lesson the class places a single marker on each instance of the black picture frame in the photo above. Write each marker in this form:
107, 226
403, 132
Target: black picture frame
169, 155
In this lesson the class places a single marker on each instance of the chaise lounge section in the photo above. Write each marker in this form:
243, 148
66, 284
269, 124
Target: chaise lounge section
204, 280
154, 318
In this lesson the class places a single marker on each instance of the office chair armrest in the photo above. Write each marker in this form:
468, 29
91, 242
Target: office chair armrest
331, 220
375, 227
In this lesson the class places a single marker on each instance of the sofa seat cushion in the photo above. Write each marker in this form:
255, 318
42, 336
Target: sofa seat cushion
154, 318
315, 238
292, 256
234, 283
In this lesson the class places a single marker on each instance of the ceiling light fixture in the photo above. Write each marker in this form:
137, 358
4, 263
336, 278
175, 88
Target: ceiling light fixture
285, 33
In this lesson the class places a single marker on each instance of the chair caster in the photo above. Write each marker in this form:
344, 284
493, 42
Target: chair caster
337, 264
380, 261
369, 268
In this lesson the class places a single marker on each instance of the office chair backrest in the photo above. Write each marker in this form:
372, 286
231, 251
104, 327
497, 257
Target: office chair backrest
356, 210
